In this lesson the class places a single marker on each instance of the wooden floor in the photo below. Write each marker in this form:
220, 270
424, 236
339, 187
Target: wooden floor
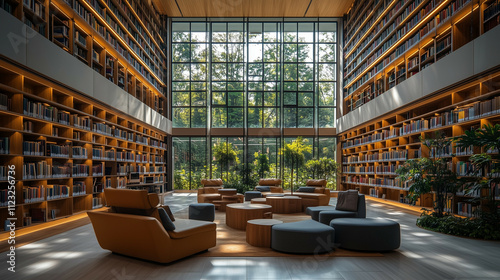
75, 254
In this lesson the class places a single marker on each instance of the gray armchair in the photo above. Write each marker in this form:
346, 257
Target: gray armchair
345, 210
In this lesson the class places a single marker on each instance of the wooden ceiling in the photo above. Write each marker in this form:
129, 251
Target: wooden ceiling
253, 8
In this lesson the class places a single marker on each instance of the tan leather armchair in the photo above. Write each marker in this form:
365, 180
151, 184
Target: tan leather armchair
132, 228
273, 184
210, 190
320, 196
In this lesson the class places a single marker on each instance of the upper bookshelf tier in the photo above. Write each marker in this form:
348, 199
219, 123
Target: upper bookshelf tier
131, 31
413, 33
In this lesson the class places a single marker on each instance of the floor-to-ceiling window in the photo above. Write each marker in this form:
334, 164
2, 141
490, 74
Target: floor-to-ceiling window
252, 75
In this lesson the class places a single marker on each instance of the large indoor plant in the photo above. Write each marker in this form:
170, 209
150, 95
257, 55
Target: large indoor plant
430, 174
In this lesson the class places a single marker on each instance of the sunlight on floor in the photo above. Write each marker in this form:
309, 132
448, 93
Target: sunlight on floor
241, 262
36, 268
411, 255
64, 255
35, 246
420, 234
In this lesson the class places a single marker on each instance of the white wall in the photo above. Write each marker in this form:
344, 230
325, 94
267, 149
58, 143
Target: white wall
477, 56
25, 46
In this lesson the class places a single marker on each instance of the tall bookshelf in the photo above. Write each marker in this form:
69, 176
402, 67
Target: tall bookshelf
67, 148
387, 42
129, 31
372, 152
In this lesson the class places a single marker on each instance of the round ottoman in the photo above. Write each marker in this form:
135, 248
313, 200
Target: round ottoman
367, 234
304, 237
313, 211
252, 194
326, 216
202, 211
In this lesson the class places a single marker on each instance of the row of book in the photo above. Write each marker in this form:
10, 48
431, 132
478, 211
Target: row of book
36, 7
375, 192
79, 188
467, 209
358, 169
156, 169
470, 112
445, 151
109, 154
54, 150
79, 152
80, 170
5, 103
57, 191
33, 194
380, 169
96, 202
125, 156
4, 145
97, 170
376, 182
103, 129
43, 170
34, 148
4, 171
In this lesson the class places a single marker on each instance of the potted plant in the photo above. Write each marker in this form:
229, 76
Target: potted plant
484, 171
430, 175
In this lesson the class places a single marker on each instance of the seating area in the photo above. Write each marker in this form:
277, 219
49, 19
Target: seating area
138, 226
135, 213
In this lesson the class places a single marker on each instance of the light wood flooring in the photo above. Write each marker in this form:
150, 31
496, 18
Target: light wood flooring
75, 254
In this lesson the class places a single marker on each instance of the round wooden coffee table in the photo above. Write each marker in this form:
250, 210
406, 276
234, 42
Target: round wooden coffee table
237, 214
285, 204
259, 232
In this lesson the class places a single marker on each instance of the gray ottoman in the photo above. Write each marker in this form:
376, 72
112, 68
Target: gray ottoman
202, 212
252, 194
326, 216
304, 237
368, 234
313, 211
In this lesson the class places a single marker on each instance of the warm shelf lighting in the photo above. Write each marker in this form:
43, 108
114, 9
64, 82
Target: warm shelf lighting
416, 27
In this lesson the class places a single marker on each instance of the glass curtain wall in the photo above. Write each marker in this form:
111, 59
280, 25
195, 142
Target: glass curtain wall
250, 74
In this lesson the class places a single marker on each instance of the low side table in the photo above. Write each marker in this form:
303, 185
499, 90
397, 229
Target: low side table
259, 232
285, 204
237, 214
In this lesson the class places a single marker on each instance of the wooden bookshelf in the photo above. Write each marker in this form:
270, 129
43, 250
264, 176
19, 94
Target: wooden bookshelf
402, 37
373, 151
67, 148
131, 32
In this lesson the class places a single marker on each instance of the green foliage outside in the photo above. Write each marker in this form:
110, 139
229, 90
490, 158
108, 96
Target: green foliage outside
227, 163
294, 156
323, 168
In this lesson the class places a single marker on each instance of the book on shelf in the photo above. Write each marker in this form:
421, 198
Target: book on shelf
80, 170
98, 188
54, 150
57, 191
79, 188
4, 145
5, 102
96, 202
34, 148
